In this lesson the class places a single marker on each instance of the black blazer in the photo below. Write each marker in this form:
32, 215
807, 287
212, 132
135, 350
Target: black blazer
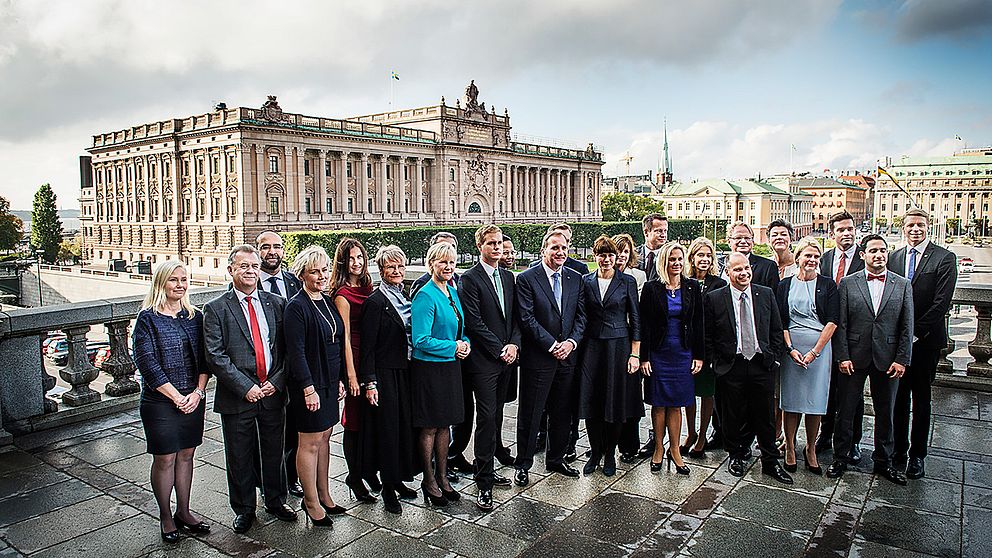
616, 315
763, 271
721, 327
933, 287
654, 303
384, 340
485, 325
312, 357
827, 264
542, 324
712, 283
293, 285
825, 298
570, 263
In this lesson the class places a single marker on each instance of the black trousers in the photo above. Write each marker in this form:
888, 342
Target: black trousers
747, 396
535, 387
829, 421
249, 437
912, 438
489, 386
851, 393
630, 435
289, 449
461, 433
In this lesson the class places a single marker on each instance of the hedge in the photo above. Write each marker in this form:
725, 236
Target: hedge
526, 237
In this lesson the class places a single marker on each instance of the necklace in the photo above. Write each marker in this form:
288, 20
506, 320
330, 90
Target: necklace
330, 323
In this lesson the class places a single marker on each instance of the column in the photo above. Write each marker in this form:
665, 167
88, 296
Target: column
320, 183
301, 184
208, 163
224, 213
554, 177
261, 206
362, 199
383, 191
341, 183
160, 180
528, 203
417, 187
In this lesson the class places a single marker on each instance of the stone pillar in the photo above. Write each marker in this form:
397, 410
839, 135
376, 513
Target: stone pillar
417, 185
78, 371
292, 196
363, 185
320, 182
224, 213
383, 192
528, 199
301, 184
944, 365
119, 365
261, 207
208, 186
341, 183
981, 346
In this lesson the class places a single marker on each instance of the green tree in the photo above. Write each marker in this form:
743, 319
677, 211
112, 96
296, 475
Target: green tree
70, 251
10, 226
619, 206
952, 224
46, 226
897, 221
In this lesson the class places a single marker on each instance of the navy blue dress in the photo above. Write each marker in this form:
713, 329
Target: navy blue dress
671, 383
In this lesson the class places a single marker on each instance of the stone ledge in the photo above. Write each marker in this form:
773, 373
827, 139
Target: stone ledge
72, 415
972, 383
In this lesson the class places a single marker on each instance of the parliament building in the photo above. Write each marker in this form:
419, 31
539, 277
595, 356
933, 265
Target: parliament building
194, 187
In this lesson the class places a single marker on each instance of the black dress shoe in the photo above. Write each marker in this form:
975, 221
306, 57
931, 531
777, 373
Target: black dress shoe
200, 528
485, 500
915, 469
891, 473
776, 472
500, 480
590, 467
855, 455
243, 522
504, 457
647, 450
296, 489
570, 456
610, 466
836, 470
282, 512
736, 466
628, 458
563, 469
460, 464
521, 477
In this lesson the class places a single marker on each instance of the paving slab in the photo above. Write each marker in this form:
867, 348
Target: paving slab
775, 507
909, 529
30, 504
67, 523
727, 536
383, 542
475, 541
525, 519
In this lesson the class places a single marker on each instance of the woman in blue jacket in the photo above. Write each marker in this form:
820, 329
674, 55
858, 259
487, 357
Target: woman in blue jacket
439, 345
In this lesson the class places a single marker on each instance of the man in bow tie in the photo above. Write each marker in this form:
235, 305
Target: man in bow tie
874, 341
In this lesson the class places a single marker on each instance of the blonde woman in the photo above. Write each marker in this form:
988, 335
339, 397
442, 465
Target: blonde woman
168, 349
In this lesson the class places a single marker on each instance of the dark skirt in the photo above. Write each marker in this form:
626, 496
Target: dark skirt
705, 382
387, 435
606, 391
313, 421
167, 429
437, 393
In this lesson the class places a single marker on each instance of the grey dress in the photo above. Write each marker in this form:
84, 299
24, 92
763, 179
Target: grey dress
805, 390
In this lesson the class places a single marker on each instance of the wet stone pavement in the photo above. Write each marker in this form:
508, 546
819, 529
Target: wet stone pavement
84, 491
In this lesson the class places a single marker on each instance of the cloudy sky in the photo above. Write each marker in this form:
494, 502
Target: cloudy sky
739, 81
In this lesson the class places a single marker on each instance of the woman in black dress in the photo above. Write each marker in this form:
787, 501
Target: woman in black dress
383, 370
168, 349
314, 336
609, 390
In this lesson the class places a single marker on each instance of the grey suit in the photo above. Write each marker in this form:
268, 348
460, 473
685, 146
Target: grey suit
872, 341
250, 429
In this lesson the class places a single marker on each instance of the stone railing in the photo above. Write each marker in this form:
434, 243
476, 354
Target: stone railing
24, 378
976, 374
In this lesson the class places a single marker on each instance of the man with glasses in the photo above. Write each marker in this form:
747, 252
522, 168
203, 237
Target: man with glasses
763, 271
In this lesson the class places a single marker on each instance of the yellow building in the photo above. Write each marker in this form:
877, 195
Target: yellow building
831, 196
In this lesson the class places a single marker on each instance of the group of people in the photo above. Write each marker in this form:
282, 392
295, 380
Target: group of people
760, 342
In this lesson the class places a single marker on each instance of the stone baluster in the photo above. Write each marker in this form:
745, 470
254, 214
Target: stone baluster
119, 364
981, 346
944, 365
78, 371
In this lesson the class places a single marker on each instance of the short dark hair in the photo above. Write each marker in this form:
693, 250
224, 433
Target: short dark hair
842, 215
604, 245
507, 238
868, 238
650, 218
781, 223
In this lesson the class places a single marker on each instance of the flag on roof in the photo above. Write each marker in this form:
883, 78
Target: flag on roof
394, 75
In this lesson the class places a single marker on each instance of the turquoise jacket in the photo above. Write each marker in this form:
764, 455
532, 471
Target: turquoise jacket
433, 324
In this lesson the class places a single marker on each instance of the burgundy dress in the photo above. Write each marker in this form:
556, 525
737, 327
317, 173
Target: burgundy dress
356, 299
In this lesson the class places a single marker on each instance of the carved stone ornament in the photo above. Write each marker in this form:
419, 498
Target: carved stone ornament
472, 104
453, 131
478, 174
351, 186
408, 187
389, 185
452, 189
271, 110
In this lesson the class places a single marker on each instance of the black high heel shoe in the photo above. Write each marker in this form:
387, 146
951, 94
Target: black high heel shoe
655, 467
404, 492
790, 467
701, 454
359, 492
437, 501
200, 528
610, 465
374, 484
450, 495
390, 502
325, 521
817, 470
333, 510
691, 441
680, 469
171, 537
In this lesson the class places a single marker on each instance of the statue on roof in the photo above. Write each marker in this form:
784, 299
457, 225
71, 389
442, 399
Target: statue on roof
271, 110
472, 104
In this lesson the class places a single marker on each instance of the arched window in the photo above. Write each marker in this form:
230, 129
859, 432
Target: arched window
474, 207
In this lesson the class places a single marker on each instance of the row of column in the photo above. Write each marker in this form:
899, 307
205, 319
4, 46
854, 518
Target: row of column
546, 190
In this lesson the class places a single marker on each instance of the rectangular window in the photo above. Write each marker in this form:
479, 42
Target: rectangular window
231, 163
349, 170
306, 167
405, 173
274, 205
351, 205
330, 205
187, 205
389, 171
368, 170
306, 205
273, 163
166, 170
185, 167
327, 168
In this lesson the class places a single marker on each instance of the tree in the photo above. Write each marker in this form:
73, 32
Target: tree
70, 251
46, 226
897, 221
619, 206
10, 226
952, 224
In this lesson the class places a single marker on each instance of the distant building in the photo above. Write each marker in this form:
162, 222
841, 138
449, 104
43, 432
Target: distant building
955, 187
631, 184
664, 176
194, 187
831, 196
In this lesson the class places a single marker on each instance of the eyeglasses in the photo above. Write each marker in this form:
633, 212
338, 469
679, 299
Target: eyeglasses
740, 238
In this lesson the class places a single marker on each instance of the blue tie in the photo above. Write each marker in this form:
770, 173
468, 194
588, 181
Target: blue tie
556, 287
912, 264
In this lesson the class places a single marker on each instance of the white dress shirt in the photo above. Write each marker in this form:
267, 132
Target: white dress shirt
875, 289
263, 325
847, 263
489, 273
920, 248
263, 280
736, 297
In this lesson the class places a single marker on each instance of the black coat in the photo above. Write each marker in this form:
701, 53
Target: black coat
311, 358
763, 272
654, 308
721, 328
384, 340
542, 323
827, 263
825, 298
712, 283
933, 287
488, 329
617, 314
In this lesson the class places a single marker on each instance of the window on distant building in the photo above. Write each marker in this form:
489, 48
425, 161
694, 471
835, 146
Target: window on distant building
306, 205
451, 174
327, 168
330, 205
273, 163
368, 170
274, 205
306, 167
349, 170
474, 207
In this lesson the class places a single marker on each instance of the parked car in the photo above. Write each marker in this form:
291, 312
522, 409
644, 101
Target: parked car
966, 265
104, 353
59, 351
52, 337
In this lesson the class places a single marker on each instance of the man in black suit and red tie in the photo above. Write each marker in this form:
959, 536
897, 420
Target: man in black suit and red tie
487, 293
838, 263
552, 321
744, 340
933, 273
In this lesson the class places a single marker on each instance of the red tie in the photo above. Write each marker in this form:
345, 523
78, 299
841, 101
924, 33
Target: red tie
879, 277
840, 268
256, 341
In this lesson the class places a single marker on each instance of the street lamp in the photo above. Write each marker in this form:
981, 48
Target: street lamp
38, 254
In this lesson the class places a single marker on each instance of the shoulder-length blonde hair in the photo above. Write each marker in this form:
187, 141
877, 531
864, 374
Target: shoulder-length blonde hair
438, 251
688, 268
339, 272
310, 258
155, 299
804, 243
662, 264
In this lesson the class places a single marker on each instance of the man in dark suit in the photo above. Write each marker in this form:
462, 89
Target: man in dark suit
843, 260
274, 279
442, 236
552, 320
933, 273
743, 340
508, 262
242, 332
874, 341
487, 294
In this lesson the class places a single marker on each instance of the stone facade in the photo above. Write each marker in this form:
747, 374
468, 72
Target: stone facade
194, 187
831, 196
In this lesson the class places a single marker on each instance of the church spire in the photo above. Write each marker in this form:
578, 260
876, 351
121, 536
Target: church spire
665, 172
